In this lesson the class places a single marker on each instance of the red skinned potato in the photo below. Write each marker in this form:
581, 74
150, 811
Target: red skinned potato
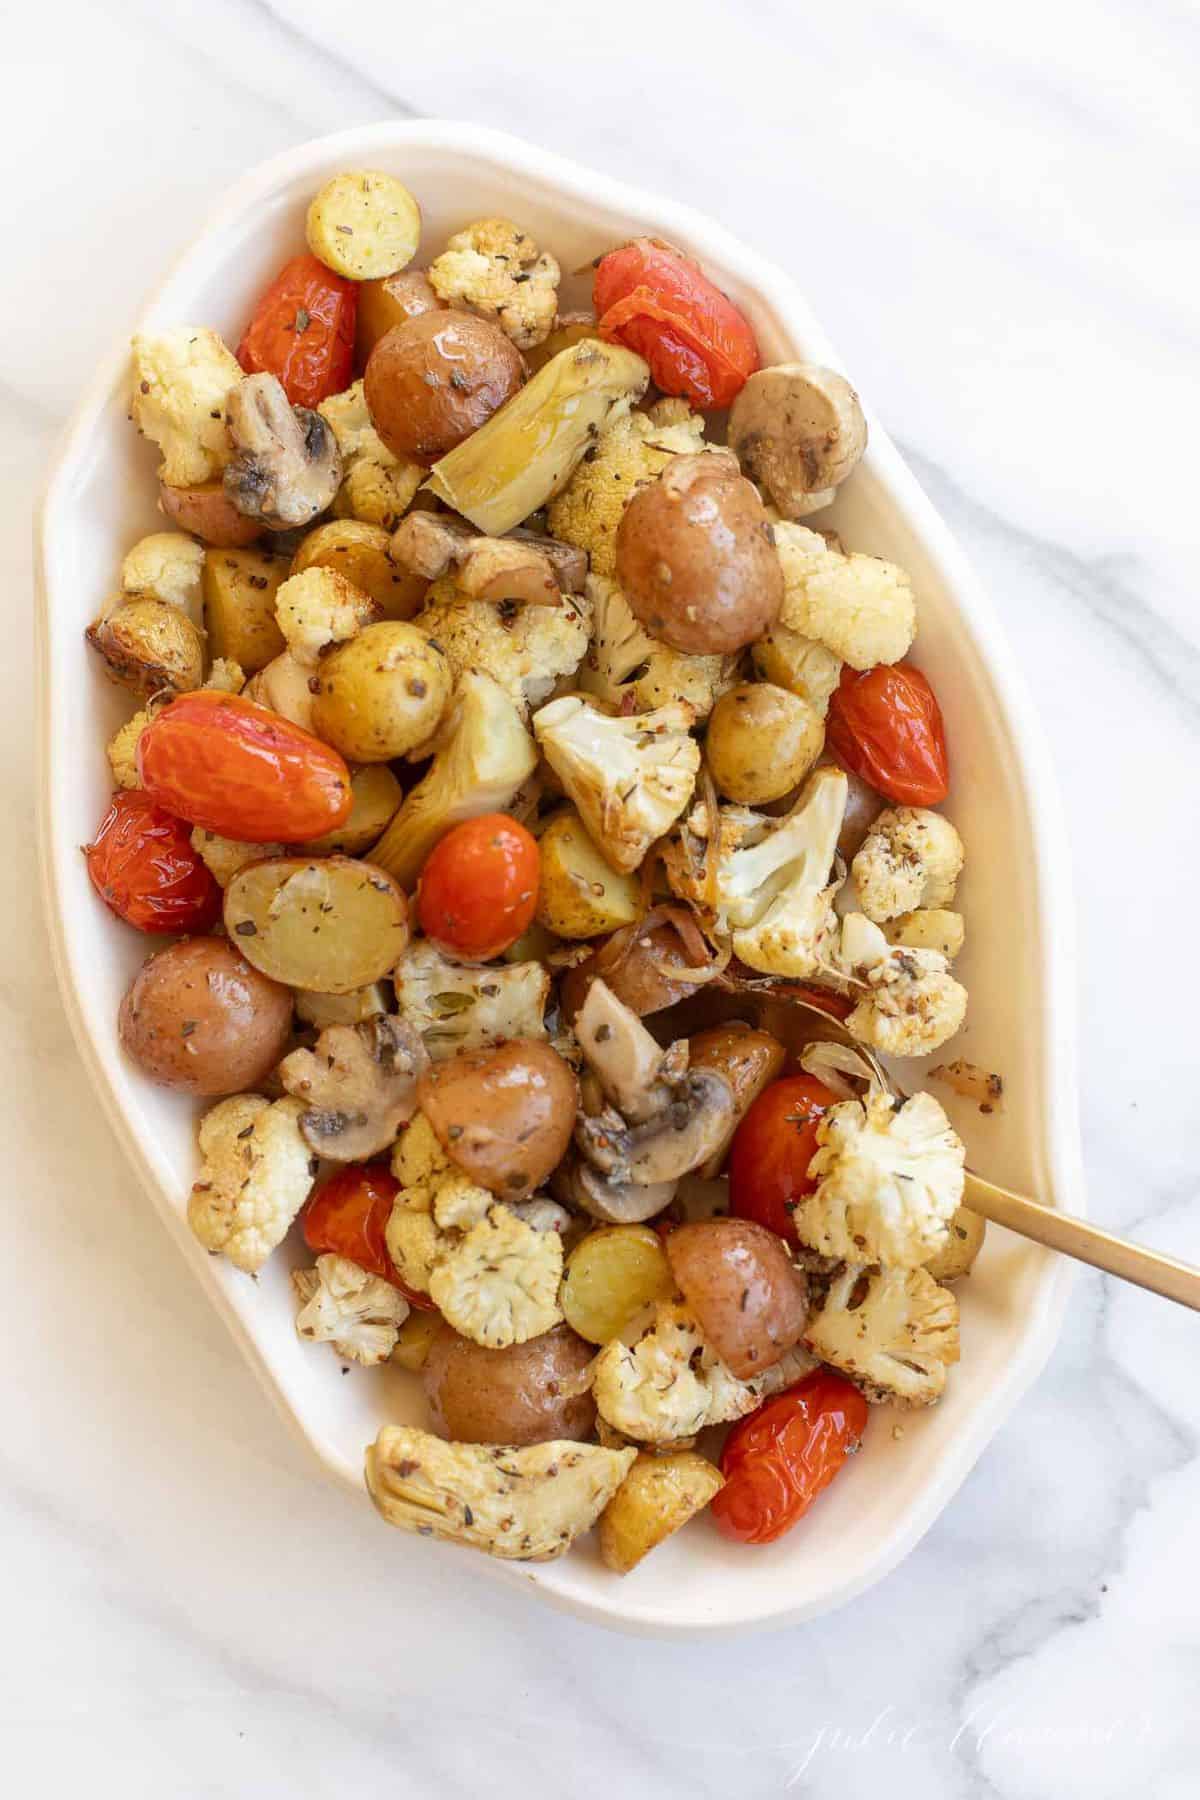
750, 1301
696, 558
436, 378
388, 302
199, 1018
208, 513
505, 1116
525, 1394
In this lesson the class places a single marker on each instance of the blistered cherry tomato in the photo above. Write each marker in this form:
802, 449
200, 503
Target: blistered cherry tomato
776, 1462
348, 1215
771, 1151
144, 869
302, 330
220, 761
660, 303
479, 887
885, 726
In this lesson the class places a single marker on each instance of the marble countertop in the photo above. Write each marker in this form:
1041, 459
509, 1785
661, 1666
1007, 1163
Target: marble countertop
994, 208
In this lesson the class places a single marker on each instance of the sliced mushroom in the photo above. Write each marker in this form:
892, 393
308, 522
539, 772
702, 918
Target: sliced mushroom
286, 466
798, 431
612, 1202
359, 1085
523, 566
685, 1134
626, 1060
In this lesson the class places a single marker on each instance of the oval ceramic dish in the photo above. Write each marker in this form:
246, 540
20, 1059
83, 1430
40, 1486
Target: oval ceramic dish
1018, 965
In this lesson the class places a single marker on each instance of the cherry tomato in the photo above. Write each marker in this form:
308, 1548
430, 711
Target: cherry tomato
771, 1151
144, 869
660, 303
302, 330
479, 887
348, 1216
776, 1462
220, 761
885, 726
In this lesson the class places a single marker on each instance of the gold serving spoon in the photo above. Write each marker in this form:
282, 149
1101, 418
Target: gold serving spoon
1057, 1231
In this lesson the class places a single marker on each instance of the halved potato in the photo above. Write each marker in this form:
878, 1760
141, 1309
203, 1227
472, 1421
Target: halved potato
415, 1340
377, 796
239, 589
207, 511
364, 224
610, 1277
353, 1008
954, 1260
659, 1494
361, 553
329, 926
581, 894
148, 645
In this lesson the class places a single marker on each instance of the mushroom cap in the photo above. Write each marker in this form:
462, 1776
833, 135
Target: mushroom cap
798, 430
359, 1086
286, 466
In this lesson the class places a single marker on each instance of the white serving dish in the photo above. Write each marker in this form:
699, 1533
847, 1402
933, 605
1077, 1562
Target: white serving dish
1018, 965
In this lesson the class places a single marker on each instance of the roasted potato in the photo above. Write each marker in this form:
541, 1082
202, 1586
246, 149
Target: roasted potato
363, 225
239, 588
381, 694
283, 686
361, 553
377, 795
320, 1010
208, 512
610, 1276
696, 558
647, 969
525, 1394
581, 894
330, 925
148, 645
761, 742
748, 1060
388, 302
437, 378
199, 1018
750, 1300
571, 328
505, 1116
659, 1494
967, 1232
416, 1339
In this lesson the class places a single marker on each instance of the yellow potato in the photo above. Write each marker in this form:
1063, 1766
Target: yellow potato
361, 553
572, 329
415, 1339
929, 928
581, 894
761, 741
342, 1009
328, 926
148, 645
610, 1276
382, 693
364, 224
966, 1241
377, 796
659, 1494
239, 588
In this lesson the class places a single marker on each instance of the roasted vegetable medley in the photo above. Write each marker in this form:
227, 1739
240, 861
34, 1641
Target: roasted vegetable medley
518, 776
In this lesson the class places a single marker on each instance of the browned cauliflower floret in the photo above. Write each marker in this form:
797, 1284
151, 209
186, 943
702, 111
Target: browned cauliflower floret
894, 1332
319, 608
525, 649
167, 565
495, 269
377, 487
634, 672
257, 1174
459, 1007
908, 1002
341, 1304
499, 1285
859, 607
633, 449
911, 857
181, 380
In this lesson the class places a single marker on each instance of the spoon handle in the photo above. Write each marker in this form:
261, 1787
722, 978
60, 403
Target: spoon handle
1087, 1243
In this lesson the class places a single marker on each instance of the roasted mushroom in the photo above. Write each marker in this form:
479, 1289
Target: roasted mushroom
359, 1086
578, 1185
524, 566
286, 466
798, 430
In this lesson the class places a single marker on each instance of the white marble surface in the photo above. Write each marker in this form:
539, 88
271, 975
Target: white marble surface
994, 209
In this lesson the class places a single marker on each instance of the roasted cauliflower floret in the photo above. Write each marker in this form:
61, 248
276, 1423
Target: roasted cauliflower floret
912, 1003
377, 487
889, 1181
318, 609
860, 607
529, 1504
496, 270
634, 672
799, 664
630, 778
526, 649
670, 1384
257, 1174
167, 565
456, 1007
223, 857
181, 380
224, 677
418, 1159
894, 1332
358, 1313
499, 1286
633, 449
929, 928
910, 858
